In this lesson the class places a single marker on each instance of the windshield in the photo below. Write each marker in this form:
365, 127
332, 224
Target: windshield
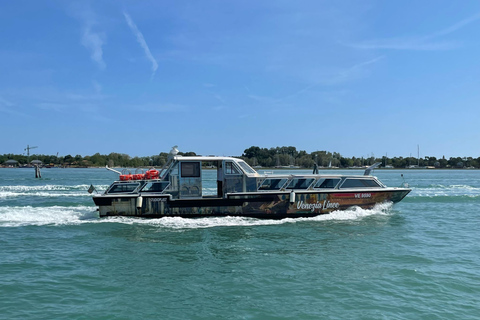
155, 186
123, 188
246, 167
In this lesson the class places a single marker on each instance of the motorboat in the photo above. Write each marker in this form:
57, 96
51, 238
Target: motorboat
178, 190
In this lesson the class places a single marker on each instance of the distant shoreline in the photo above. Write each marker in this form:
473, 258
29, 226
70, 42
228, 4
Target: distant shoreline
256, 169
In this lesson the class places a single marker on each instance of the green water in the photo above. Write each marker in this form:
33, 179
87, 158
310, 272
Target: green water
419, 259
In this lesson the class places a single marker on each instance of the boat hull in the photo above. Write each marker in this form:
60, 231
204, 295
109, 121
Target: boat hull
267, 205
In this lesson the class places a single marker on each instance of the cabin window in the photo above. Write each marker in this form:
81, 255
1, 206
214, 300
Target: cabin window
155, 186
300, 183
123, 188
190, 169
327, 183
246, 167
230, 168
360, 183
272, 184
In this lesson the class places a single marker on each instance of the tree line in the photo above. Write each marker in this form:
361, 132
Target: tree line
97, 160
288, 156
255, 156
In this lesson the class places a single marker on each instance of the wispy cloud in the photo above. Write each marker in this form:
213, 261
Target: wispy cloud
457, 25
94, 41
341, 76
91, 38
51, 106
219, 98
4, 102
159, 108
419, 43
413, 43
142, 42
97, 86
8, 107
353, 71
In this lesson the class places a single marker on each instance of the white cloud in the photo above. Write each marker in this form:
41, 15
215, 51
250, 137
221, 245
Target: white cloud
94, 42
419, 43
142, 42
90, 38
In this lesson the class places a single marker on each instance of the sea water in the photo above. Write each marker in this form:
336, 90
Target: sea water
418, 259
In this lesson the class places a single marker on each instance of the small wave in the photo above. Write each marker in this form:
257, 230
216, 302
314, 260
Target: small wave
454, 187
56, 215
48, 187
42, 194
438, 190
47, 191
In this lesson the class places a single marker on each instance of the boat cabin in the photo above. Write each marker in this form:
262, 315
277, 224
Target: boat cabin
183, 179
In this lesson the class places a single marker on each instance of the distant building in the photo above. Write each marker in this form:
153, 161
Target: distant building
36, 162
10, 163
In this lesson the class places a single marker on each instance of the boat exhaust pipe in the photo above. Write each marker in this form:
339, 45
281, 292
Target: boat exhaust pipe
106, 167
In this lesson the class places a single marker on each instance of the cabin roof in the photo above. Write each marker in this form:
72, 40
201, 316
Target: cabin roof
205, 158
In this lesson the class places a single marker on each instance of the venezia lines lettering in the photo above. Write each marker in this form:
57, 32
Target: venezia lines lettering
317, 205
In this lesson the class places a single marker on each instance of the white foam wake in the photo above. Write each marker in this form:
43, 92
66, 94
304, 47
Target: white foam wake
46, 191
8, 194
58, 215
46, 187
210, 222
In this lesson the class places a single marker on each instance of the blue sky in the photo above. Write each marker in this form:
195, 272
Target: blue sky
216, 77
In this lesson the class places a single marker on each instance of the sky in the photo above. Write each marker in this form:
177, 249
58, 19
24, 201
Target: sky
360, 78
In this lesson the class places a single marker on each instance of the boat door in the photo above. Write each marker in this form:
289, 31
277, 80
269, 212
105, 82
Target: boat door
190, 179
233, 177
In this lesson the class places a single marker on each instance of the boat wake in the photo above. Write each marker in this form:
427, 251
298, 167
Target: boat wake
39, 216
355, 213
439, 190
7, 192
60, 216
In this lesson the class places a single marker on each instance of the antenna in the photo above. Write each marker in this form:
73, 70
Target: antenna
418, 154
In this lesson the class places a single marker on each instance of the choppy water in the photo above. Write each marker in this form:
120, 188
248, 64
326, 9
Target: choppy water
419, 259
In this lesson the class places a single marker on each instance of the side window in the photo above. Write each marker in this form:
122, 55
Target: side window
359, 183
190, 169
272, 184
230, 168
327, 183
300, 183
